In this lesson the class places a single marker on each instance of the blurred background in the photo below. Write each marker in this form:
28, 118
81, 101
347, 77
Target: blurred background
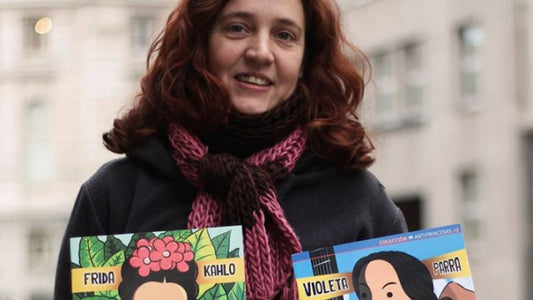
449, 108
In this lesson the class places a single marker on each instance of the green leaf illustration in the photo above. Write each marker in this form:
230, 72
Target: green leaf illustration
234, 253
238, 291
85, 295
107, 295
91, 252
112, 246
115, 260
164, 234
178, 235
228, 286
201, 245
203, 288
221, 244
133, 243
217, 292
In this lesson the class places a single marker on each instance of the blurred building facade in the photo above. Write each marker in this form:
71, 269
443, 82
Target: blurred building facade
66, 69
449, 107
451, 113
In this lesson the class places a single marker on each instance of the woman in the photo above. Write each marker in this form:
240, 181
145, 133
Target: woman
246, 116
392, 275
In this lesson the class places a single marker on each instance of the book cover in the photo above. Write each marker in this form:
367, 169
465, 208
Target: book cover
202, 264
427, 264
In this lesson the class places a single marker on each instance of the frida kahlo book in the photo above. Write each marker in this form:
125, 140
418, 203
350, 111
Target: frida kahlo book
202, 264
429, 264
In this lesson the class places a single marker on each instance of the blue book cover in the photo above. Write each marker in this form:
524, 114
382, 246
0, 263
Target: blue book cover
205, 264
430, 264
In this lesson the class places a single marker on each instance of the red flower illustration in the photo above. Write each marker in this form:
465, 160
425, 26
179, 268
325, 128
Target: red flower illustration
166, 254
158, 254
145, 243
188, 255
141, 259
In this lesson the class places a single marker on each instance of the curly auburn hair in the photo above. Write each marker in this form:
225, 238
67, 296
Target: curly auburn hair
178, 87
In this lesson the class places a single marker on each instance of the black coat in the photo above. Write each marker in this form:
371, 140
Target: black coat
146, 192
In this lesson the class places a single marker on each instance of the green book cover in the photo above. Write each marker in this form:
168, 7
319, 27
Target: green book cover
205, 264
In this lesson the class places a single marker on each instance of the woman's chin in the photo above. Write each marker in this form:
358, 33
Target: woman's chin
253, 106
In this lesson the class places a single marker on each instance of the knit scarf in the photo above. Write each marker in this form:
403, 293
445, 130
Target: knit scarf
241, 191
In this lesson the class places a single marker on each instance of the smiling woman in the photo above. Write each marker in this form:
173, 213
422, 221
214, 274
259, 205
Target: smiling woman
257, 53
246, 116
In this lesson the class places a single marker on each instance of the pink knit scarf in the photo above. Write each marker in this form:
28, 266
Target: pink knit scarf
234, 191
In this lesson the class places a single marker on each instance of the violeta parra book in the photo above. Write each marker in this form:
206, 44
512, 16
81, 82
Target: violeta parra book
429, 264
202, 264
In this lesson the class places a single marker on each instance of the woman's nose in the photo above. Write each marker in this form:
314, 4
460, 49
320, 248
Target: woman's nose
260, 50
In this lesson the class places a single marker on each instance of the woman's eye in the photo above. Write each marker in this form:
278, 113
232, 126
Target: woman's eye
235, 28
389, 295
285, 36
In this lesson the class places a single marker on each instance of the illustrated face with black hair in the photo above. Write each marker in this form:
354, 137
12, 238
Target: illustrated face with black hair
160, 269
160, 290
379, 281
392, 275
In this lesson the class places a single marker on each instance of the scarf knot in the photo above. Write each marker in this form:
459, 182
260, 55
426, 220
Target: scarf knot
222, 176
241, 191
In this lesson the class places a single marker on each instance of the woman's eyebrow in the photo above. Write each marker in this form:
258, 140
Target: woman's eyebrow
249, 16
236, 14
289, 22
388, 283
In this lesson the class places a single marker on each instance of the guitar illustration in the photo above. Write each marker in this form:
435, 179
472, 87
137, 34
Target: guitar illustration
324, 262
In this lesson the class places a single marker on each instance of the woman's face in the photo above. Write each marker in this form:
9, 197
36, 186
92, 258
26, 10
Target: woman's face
256, 48
380, 282
161, 291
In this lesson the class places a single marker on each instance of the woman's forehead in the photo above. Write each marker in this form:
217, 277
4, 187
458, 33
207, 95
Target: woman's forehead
289, 10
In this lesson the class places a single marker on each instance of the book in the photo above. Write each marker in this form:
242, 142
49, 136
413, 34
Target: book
426, 264
205, 264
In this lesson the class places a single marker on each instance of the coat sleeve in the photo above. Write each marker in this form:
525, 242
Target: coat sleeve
84, 220
394, 219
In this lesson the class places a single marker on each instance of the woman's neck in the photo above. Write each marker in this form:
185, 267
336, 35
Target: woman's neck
243, 135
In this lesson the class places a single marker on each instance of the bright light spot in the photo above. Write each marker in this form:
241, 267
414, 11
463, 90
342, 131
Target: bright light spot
43, 26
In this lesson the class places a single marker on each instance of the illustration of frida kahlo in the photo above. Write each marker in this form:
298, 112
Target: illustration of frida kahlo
396, 275
160, 269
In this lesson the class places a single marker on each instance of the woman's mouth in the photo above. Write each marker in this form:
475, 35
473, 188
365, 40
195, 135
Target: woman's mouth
253, 80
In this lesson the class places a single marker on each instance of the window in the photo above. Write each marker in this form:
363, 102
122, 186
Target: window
387, 88
39, 156
399, 81
528, 164
411, 207
413, 82
471, 39
142, 28
40, 250
35, 32
471, 215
